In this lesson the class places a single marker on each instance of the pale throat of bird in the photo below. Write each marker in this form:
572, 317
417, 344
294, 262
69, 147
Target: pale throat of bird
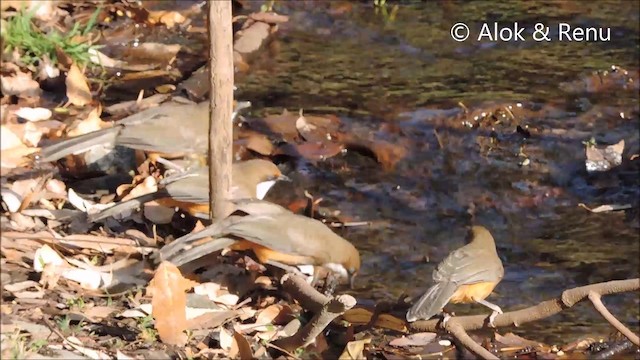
263, 188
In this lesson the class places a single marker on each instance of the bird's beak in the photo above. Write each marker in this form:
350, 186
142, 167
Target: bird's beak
283, 178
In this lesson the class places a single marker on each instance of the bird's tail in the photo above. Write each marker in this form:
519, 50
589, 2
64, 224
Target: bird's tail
128, 205
79, 144
432, 301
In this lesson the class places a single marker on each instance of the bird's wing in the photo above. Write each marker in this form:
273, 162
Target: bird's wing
193, 189
284, 233
432, 301
469, 265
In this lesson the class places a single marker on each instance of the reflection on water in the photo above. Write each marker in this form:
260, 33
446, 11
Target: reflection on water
412, 74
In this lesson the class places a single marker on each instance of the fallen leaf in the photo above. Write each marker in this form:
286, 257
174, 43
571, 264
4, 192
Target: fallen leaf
168, 18
606, 208
78, 90
149, 185
98, 313
34, 114
169, 302
417, 339
91, 123
11, 199
604, 158
20, 290
226, 341
46, 256
211, 319
151, 52
9, 139
355, 350
362, 316
86, 206
244, 349
20, 84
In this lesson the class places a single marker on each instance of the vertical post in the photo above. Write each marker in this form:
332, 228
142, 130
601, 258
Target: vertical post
221, 94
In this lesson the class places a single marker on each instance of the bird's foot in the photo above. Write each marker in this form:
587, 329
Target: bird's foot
446, 317
492, 317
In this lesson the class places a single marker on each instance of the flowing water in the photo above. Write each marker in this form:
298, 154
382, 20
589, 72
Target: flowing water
410, 75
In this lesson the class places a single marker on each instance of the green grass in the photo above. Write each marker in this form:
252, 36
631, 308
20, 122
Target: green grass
22, 34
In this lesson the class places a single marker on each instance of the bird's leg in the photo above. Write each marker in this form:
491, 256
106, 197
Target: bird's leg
446, 317
496, 310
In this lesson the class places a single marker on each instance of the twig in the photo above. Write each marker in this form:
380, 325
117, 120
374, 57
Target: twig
338, 224
457, 330
542, 310
596, 299
435, 132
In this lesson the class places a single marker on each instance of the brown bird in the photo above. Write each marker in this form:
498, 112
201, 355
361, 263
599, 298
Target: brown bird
170, 128
468, 274
252, 179
275, 235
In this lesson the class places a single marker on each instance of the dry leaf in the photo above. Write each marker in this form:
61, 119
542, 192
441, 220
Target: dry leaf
606, 208
355, 350
99, 312
603, 159
20, 290
9, 139
362, 316
168, 18
169, 302
34, 114
149, 185
244, 349
86, 206
20, 84
78, 90
226, 340
90, 124
417, 339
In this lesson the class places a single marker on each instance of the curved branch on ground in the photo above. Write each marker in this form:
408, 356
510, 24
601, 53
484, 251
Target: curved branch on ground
461, 335
596, 299
542, 310
325, 309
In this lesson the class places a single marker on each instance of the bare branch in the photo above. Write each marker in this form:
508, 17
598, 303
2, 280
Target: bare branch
596, 299
543, 310
461, 335
327, 309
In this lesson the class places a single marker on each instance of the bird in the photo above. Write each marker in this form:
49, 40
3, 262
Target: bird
276, 236
190, 190
170, 128
468, 274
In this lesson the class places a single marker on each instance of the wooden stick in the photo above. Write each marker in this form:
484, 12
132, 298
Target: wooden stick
221, 93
